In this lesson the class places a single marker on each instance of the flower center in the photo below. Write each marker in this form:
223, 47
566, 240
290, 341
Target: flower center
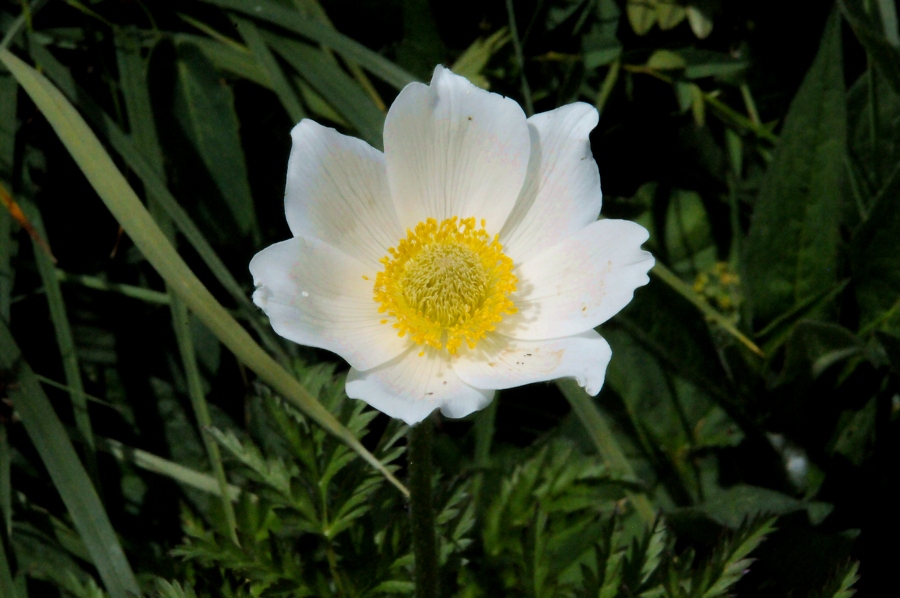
446, 283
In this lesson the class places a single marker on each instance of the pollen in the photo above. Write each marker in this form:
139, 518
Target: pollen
446, 284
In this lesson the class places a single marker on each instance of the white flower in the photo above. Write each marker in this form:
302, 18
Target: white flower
465, 258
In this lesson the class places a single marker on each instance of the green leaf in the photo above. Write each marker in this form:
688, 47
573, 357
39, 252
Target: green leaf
166, 589
227, 58
204, 107
688, 235
885, 55
873, 116
280, 16
815, 346
730, 564
669, 14
779, 330
272, 472
150, 462
601, 45
841, 584
124, 204
873, 259
707, 63
68, 474
792, 246
641, 15
856, 438
334, 85
277, 80
666, 60
732, 506
594, 423
472, 61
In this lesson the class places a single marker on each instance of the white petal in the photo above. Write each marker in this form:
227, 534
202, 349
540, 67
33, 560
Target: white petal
579, 283
314, 294
503, 362
337, 191
453, 149
411, 386
562, 193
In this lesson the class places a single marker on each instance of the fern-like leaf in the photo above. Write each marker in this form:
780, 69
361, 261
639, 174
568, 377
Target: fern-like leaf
729, 563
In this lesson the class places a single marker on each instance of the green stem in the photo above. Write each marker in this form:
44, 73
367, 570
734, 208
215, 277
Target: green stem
421, 511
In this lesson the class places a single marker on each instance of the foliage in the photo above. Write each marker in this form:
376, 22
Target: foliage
156, 436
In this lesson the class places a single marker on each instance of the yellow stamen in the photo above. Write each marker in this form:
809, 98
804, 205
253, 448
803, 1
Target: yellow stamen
446, 283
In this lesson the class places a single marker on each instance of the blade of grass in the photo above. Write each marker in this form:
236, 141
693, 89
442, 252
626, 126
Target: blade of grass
243, 64
686, 291
181, 324
334, 85
155, 184
225, 57
127, 290
155, 464
88, 397
140, 118
65, 342
121, 200
210, 31
68, 474
601, 435
276, 14
320, 15
239, 60
277, 80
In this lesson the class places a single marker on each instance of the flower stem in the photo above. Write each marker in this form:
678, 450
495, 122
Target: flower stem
421, 510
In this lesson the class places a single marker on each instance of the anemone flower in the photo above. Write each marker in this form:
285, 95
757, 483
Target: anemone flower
464, 259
